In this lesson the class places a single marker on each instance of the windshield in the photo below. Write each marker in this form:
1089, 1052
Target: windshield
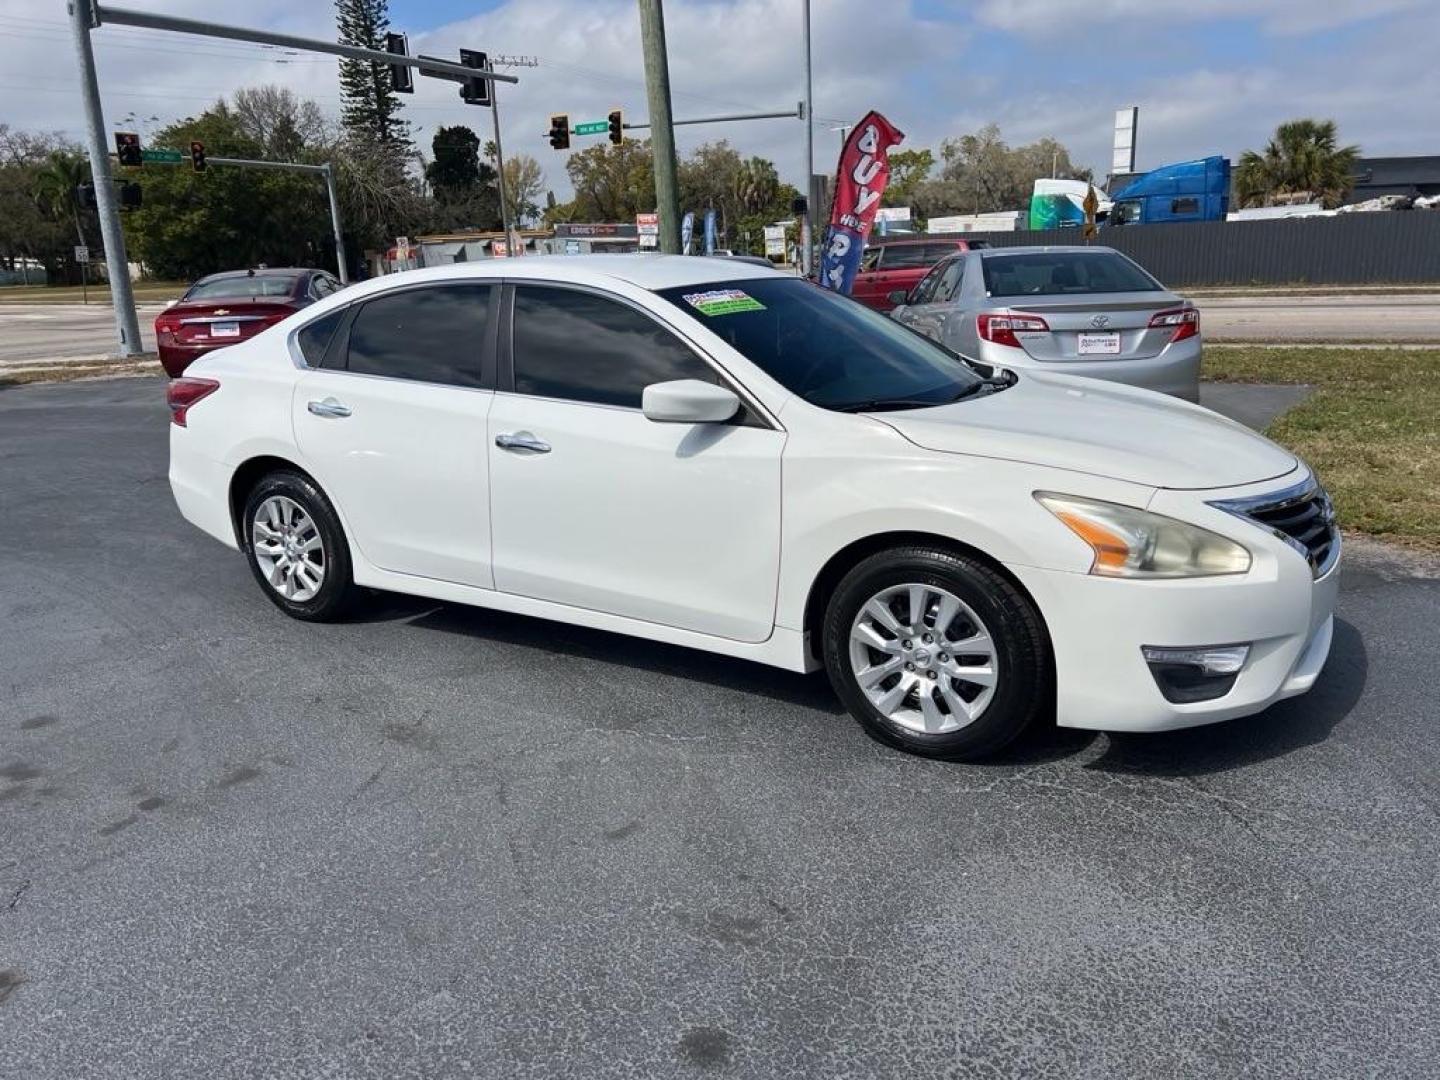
1057, 273
828, 349
241, 287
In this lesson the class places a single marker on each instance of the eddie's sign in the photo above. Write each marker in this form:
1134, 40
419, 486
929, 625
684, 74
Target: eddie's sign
864, 172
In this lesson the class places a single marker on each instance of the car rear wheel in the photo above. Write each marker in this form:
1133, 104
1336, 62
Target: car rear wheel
296, 548
936, 653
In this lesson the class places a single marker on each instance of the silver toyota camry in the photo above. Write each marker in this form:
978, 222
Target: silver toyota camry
1077, 310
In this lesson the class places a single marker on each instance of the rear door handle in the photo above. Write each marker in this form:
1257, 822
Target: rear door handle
330, 408
522, 440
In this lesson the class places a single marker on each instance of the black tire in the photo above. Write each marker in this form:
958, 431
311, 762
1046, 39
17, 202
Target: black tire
337, 591
1021, 647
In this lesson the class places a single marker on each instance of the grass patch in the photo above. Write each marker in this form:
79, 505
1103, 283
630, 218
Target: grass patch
1371, 429
99, 294
73, 372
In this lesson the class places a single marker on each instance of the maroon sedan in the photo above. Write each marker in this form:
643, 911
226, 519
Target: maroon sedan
222, 309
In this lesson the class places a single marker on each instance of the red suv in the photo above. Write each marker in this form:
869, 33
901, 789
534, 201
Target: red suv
891, 265
222, 309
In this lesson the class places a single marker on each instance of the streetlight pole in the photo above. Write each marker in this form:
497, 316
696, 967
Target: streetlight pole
335, 225
500, 168
117, 264
809, 150
662, 131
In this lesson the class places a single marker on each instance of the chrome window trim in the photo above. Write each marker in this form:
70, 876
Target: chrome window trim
1301, 492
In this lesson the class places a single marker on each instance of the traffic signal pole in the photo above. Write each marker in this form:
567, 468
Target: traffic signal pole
117, 264
500, 168
662, 134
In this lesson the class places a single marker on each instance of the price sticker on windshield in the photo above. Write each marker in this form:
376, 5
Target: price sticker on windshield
723, 302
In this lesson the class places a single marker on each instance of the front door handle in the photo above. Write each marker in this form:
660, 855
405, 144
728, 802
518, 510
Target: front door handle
522, 440
329, 408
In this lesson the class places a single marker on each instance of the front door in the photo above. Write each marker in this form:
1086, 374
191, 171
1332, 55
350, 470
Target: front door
395, 428
597, 507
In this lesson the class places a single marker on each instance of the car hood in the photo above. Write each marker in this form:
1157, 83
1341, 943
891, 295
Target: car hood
1067, 422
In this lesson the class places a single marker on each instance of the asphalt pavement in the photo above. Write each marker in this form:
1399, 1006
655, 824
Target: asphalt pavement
440, 842
35, 332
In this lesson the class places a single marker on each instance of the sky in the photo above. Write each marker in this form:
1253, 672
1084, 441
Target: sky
1209, 76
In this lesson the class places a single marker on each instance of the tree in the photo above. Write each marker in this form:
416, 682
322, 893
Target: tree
369, 105
981, 173
38, 219
524, 181
225, 218
58, 185
281, 123
908, 170
612, 183
1303, 157
463, 185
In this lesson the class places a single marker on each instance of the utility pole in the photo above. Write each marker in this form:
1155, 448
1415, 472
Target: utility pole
662, 132
807, 227
335, 225
500, 168
116, 263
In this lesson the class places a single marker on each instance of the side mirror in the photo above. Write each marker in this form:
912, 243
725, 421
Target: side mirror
688, 401
897, 296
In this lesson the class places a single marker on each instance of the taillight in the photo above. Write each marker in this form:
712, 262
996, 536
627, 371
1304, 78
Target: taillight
1186, 322
1001, 328
166, 323
183, 393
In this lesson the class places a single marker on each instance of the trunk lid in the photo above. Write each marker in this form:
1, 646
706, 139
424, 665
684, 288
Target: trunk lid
221, 322
1099, 428
1116, 326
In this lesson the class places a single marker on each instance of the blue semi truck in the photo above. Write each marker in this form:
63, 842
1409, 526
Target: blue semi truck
1185, 191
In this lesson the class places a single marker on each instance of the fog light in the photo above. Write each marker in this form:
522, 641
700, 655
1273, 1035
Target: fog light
1195, 673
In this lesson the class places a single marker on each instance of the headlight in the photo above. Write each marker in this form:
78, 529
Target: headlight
1136, 543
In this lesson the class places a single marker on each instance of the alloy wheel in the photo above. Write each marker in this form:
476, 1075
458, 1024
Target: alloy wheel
923, 658
288, 548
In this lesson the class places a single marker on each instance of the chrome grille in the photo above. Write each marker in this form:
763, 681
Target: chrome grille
1302, 516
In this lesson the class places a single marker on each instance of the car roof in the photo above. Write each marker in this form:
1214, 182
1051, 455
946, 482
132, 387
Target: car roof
1069, 249
644, 270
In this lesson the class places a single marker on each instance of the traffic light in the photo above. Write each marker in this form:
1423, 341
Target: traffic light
197, 155
617, 128
475, 91
127, 149
560, 132
799, 204
85, 196
402, 76
131, 196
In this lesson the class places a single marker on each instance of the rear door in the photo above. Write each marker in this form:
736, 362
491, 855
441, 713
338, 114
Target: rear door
394, 424
596, 506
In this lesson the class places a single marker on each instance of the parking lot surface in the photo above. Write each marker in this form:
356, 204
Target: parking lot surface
436, 841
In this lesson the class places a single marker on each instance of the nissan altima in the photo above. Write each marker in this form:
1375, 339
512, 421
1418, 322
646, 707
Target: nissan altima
714, 455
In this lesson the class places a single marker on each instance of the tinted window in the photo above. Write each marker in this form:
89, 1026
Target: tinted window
433, 334
582, 347
826, 348
314, 338
1053, 273
322, 285
925, 291
244, 287
903, 256
949, 279
1184, 206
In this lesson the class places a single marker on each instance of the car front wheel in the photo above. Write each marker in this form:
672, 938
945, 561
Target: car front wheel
936, 653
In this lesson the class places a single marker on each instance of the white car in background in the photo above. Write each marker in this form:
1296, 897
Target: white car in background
718, 456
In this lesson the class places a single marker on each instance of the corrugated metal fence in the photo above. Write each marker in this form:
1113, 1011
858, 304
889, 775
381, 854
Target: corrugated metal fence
1393, 247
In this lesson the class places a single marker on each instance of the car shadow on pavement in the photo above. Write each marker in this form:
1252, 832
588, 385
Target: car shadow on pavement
1286, 726
810, 691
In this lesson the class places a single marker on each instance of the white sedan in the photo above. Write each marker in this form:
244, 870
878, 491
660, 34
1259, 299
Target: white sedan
712, 454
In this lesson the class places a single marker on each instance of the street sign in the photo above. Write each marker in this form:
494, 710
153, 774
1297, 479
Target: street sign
592, 127
167, 157
82, 254
647, 224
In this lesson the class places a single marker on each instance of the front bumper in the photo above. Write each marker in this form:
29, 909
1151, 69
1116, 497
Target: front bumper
1175, 370
1098, 626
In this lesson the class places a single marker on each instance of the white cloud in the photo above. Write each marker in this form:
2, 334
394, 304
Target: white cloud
740, 55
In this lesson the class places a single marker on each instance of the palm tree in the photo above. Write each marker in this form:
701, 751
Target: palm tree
756, 185
57, 188
1302, 157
